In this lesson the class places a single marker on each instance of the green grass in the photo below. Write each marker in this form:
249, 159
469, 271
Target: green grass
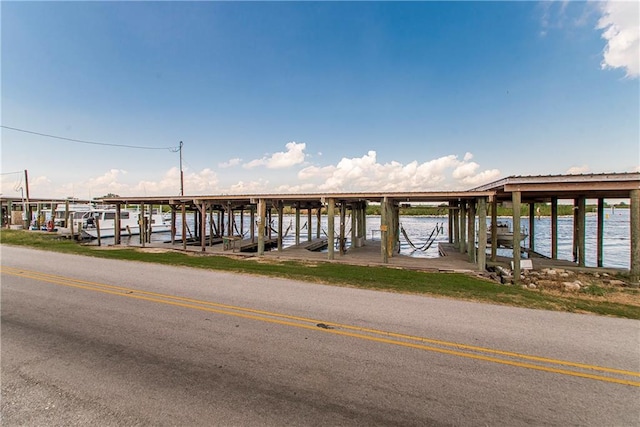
452, 285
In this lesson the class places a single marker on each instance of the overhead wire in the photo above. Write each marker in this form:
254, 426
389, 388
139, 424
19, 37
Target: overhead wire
173, 149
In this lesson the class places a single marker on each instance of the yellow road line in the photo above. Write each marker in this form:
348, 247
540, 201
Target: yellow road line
277, 318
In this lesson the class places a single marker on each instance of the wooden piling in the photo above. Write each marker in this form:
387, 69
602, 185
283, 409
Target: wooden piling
600, 232
183, 207
515, 199
463, 226
494, 228
97, 221
634, 224
482, 234
582, 211
554, 228
331, 228
532, 227
262, 219
471, 235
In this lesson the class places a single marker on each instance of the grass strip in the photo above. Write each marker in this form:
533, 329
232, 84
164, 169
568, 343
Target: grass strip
451, 285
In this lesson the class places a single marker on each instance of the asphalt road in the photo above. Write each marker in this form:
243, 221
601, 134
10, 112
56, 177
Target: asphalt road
98, 342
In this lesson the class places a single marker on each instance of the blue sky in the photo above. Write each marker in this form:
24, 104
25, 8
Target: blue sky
314, 96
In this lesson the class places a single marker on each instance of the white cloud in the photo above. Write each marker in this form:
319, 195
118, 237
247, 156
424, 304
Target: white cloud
251, 187
283, 159
577, 170
366, 174
230, 163
620, 23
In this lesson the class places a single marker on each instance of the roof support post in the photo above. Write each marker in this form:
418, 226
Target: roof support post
262, 219
280, 223
252, 225
634, 223
554, 228
449, 223
331, 228
463, 226
471, 233
515, 198
309, 228
183, 208
318, 222
384, 227
116, 231
203, 226
582, 208
600, 232
482, 234
532, 226
494, 228
456, 226
142, 226
343, 215
297, 223
355, 210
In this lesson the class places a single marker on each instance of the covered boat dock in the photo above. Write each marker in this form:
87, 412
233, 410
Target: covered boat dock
467, 210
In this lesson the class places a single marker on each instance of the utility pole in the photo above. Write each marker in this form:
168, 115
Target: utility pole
181, 173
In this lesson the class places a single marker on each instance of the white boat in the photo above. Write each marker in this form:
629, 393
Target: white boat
504, 235
130, 220
75, 215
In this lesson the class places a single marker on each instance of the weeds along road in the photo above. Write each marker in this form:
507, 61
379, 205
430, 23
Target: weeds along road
94, 341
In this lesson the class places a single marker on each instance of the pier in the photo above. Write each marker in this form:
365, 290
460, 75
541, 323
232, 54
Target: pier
216, 229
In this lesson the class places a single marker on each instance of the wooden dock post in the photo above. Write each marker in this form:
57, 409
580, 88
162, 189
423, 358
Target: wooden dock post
463, 226
318, 222
600, 232
494, 228
297, 210
343, 215
554, 228
456, 226
355, 213
280, 208
143, 226
173, 225
331, 228
97, 220
66, 216
532, 227
515, 198
262, 219
183, 208
450, 223
576, 237
582, 208
203, 225
252, 226
229, 210
634, 224
482, 234
471, 236
118, 222
309, 227
384, 229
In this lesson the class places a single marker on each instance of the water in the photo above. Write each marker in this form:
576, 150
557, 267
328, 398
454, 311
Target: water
616, 243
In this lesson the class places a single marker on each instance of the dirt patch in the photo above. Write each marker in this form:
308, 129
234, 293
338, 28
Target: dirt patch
154, 250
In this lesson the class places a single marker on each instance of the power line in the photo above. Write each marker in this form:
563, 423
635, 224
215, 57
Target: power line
11, 173
173, 149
